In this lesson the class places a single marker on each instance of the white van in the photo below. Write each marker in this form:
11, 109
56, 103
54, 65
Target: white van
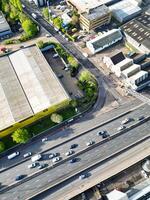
36, 157
13, 155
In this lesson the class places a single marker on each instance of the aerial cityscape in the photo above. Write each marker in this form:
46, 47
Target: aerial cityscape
75, 99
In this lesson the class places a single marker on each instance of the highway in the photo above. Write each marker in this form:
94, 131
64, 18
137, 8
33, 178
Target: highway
86, 158
8, 176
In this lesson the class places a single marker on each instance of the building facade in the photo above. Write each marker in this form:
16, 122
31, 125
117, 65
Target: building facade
5, 30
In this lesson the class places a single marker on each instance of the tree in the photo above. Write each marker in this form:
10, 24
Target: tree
2, 147
40, 44
57, 22
29, 27
56, 118
45, 13
72, 62
21, 136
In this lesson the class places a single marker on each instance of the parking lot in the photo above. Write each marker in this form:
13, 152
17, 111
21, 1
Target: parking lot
69, 83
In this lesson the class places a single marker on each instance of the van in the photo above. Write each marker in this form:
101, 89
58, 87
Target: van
36, 157
13, 155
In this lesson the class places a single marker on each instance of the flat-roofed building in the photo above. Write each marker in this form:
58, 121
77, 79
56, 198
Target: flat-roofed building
130, 71
93, 14
5, 29
103, 41
125, 10
138, 77
137, 32
29, 89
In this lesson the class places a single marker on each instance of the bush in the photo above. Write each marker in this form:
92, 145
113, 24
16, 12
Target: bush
56, 118
9, 41
24, 38
40, 44
2, 147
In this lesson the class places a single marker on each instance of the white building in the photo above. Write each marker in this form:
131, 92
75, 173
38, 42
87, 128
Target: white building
66, 19
117, 195
103, 41
131, 70
125, 10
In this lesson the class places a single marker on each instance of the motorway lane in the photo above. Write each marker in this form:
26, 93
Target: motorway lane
93, 155
82, 124
75, 186
8, 176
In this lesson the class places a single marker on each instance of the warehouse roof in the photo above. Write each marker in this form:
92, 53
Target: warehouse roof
4, 26
27, 86
139, 29
106, 38
97, 12
130, 69
137, 76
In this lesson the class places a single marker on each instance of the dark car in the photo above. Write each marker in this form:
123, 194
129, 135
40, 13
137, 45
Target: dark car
19, 177
100, 133
105, 135
141, 118
73, 160
73, 146
41, 166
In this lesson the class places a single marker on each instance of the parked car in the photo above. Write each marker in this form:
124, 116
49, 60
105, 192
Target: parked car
73, 146
126, 120
90, 143
69, 153
44, 139
27, 154
55, 55
100, 133
120, 128
19, 177
56, 159
141, 118
32, 165
83, 176
105, 135
73, 160
36, 157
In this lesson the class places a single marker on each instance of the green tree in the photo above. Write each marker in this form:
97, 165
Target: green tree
2, 147
57, 22
21, 136
40, 44
29, 27
86, 76
45, 13
56, 118
72, 62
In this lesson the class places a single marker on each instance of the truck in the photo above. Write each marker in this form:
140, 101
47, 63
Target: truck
13, 155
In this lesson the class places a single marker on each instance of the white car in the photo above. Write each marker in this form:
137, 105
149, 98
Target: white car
52, 155
125, 121
120, 128
44, 139
56, 159
55, 55
27, 154
33, 165
69, 153
90, 143
36, 157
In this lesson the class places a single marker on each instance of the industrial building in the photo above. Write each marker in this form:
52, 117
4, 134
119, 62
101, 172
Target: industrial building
5, 30
103, 41
29, 89
125, 10
137, 32
117, 195
93, 14
132, 74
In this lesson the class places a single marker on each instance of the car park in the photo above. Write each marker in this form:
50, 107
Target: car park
69, 153
90, 143
73, 146
41, 166
19, 177
32, 165
13, 155
120, 128
52, 155
27, 154
54, 160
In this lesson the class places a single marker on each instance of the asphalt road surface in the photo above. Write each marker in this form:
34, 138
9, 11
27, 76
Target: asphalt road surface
87, 158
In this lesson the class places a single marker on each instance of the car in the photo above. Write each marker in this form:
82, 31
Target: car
32, 165
22, 46
27, 154
82, 176
100, 133
55, 55
105, 135
19, 177
120, 128
48, 35
41, 166
23, 6
69, 153
44, 139
141, 118
60, 76
90, 143
73, 146
52, 155
36, 157
55, 159
125, 121
73, 160
66, 69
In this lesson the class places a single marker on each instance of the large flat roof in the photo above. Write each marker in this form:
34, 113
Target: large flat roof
85, 5
28, 85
